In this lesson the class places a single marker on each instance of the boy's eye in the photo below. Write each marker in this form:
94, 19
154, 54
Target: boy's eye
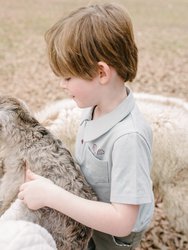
67, 78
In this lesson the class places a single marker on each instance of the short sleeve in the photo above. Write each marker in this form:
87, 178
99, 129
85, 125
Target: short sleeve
130, 176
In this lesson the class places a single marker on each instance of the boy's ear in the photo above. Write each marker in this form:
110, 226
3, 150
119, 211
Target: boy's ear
104, 72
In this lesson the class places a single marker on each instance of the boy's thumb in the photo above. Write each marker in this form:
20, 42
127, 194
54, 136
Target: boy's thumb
30, 175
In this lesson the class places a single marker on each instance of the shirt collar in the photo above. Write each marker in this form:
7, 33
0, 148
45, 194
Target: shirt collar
98, 127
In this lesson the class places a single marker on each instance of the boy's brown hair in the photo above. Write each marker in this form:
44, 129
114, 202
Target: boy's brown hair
91, 34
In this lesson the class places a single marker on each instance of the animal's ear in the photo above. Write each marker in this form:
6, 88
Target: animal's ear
26, 117
37, 135
41, 132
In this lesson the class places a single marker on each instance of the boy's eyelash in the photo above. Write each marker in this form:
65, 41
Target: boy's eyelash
67, 79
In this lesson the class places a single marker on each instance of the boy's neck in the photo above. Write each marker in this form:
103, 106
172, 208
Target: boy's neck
110, 101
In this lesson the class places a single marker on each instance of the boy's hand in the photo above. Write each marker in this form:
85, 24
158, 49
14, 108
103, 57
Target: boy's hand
33, 191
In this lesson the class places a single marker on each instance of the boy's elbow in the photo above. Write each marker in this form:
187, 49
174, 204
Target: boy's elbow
123, 232
122, 228
125, 220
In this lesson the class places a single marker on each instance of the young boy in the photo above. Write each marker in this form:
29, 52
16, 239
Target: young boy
94, 52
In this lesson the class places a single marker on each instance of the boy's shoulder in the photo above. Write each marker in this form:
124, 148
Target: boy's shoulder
133, 123
125, 120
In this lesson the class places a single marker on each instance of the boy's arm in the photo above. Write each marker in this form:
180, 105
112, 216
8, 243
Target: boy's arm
115, 219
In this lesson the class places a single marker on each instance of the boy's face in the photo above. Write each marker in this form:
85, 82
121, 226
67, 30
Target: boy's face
85, 93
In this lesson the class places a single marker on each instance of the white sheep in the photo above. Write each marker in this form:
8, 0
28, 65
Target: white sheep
62, 118
168, 118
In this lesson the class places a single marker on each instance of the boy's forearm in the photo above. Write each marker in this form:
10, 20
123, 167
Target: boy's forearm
100, 216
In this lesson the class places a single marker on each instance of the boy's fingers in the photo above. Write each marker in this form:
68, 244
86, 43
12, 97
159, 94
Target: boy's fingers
26, 168
31, 176
21, 188
20, 196
28, 175
26, 165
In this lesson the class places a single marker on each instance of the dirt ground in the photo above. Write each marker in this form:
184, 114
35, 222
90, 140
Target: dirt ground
162, 38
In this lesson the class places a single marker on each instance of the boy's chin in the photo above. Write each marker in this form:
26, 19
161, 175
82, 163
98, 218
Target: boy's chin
81, 105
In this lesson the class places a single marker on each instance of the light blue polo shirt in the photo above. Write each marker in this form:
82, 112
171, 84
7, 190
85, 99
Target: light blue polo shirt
114, 152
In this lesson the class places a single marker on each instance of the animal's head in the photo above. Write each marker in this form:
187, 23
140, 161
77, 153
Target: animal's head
15, 118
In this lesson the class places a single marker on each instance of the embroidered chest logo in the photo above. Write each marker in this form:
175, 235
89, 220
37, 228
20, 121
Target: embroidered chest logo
97, 151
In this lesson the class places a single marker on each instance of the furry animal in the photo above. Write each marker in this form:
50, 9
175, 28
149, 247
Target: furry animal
168, 118
23, 138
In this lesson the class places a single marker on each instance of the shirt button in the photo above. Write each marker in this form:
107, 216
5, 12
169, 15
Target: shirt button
82, 141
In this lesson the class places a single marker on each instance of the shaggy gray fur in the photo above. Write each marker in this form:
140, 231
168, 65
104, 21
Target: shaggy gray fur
23, 138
